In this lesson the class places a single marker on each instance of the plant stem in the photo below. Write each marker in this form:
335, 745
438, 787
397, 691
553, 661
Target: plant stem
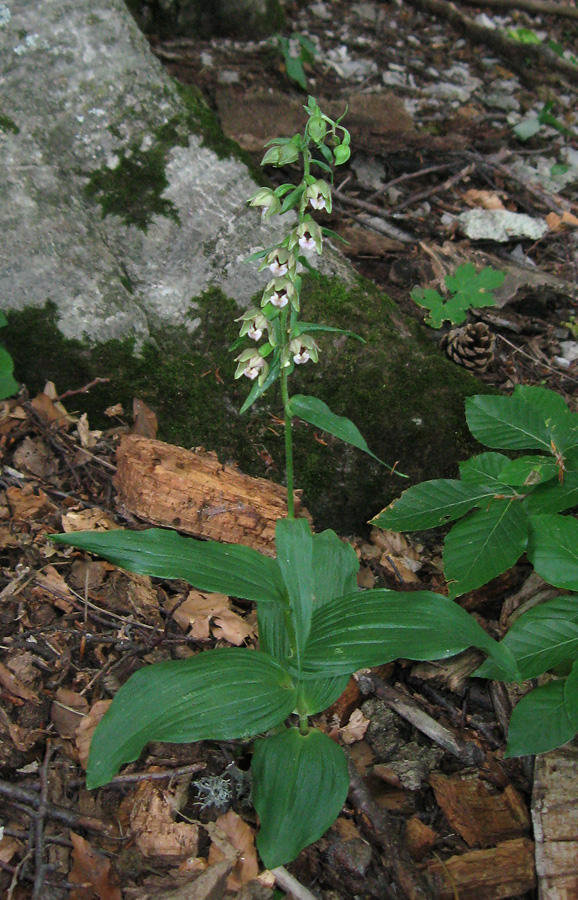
288, 444
303, 724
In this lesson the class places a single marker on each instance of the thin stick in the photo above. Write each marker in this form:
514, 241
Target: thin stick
466, 751
83, 390
39, 825
289, 883
29, 801
559, 372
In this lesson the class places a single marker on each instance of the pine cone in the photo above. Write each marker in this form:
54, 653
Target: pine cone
471, 346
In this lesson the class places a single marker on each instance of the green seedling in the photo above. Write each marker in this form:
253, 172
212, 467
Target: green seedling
507, 507
315, 626
297, 51
8, 385
467, 289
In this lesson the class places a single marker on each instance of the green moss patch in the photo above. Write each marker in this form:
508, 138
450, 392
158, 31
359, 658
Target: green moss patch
404, 396
7, 125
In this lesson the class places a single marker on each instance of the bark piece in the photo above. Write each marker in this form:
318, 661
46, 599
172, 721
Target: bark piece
481, 818
494, 874
555, 817
192, 491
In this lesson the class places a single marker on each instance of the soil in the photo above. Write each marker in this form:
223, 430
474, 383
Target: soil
432, 110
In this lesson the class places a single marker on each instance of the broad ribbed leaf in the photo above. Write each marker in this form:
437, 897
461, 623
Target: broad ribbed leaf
484, 545
294, 543
335, 568
527, 471
432, 503
300, 783
317, 413
207, 565
553, 549
508, 423
374, 627
217, 695
273, 638
553, 497
562, 424
484, 469
571, 696
315, 695
541, 639
540, 722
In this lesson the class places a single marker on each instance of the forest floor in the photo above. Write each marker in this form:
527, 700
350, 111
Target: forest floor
439, 178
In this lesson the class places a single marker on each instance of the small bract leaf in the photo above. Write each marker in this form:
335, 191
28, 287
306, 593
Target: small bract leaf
300, 784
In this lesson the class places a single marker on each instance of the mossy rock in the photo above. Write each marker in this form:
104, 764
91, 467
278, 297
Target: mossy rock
405, 397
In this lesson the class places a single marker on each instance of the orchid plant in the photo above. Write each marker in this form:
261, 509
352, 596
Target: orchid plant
315, 626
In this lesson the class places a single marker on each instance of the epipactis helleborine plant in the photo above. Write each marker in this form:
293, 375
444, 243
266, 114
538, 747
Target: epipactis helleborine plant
315, 626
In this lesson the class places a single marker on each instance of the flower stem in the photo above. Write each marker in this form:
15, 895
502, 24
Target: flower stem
288, 444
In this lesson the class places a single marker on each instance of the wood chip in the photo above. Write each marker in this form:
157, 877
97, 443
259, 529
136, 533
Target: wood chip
555, 816
494, 874
481, 817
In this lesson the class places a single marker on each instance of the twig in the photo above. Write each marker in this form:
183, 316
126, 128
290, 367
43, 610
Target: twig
82, 390
531, 6
559, 372
515, 53
289, 883
466, 751
410, 882
122, 780
29, 801
438, 189
39, 825
389, 229
407, 177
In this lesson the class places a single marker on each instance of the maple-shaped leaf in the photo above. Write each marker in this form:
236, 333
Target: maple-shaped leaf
468, 288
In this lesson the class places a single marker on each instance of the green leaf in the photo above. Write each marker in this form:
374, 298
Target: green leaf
484, 469
217, 695
300, 783
207, 565
476, 286
315, 695
527, 471
273, 637
374, 627
311, 328
432, 503
553, 497
561, 423
553, 549
571, 696
508, 423
484, 545
335, 568
294, 543
8, 384
3, 319
541, 639
317, 413
540, 722
431, 300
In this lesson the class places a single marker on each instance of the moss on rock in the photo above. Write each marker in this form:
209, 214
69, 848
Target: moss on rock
404, 396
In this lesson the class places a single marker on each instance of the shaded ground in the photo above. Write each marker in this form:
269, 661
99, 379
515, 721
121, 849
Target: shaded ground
432, 116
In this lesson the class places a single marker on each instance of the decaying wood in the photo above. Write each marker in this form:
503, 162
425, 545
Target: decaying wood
481, 817
555, 816
494, 874
194, 493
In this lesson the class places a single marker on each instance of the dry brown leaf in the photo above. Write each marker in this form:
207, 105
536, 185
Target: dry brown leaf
67, 712
92, 872
202, 612
483, 199
7, 539
155, 831
34, 456
15, 686
115, 410
51, 583
232, 830
87, 520
88, 438
87, 728
355, 729
50, 412
25, 504
419, 837
558, 223
145, 420
8, 848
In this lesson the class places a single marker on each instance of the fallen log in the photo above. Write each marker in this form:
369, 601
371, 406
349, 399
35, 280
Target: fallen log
190, 490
